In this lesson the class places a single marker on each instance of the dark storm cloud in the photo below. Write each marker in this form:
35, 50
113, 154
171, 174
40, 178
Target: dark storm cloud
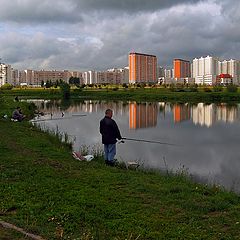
167, 34
35, 11
97, 35
131, 5
72, 10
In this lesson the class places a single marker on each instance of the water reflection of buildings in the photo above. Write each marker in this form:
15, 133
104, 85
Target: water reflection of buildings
208, 114
181, 112
227, 113
142, 115
91, 106
203, 114
145, 115
88, 106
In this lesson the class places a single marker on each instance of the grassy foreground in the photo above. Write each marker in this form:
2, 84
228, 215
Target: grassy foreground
46, 192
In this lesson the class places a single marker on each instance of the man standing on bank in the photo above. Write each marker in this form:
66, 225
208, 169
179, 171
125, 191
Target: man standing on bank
110, 134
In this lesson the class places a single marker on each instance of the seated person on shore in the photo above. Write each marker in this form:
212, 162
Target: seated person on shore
17, 114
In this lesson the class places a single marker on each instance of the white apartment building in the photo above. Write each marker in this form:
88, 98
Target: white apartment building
5, 74
22, 77
118, 75
231, 67
205, 70
29, 77
160, 72
111, 76
168, 76
15, 77
168, 73
89, 77
124, 75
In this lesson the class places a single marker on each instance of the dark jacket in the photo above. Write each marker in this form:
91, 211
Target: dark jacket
17, 115
109, 130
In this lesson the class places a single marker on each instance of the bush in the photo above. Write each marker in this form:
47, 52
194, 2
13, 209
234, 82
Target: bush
207, 89
217, 88
77, 90
7, 86
179, 87
193, 88
232, 88
172, 87
65, 90
125, 85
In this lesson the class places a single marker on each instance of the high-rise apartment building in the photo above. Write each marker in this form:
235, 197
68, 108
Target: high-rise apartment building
142, 68
22, 77
168, 73
5, 74
182, 68
231, 67
90, 77
205, 70
29, 77
160, 72
125, 74
15, 77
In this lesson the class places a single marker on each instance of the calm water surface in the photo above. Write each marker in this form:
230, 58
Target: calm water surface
207, 135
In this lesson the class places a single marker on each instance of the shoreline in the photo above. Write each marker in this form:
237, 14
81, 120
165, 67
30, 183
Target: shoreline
136, 94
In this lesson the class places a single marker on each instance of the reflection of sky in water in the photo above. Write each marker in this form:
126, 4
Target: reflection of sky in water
207, 135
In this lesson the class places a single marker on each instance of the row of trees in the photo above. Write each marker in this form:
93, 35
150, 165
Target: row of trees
65, 87
57, 83
205, 88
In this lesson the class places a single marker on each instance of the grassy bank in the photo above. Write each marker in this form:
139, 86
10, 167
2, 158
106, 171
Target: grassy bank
136, 94
47, 192
163, 95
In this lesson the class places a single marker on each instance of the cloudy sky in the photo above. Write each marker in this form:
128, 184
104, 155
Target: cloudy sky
99, 34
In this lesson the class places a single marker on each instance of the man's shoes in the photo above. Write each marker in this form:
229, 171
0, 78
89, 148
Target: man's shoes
110, 163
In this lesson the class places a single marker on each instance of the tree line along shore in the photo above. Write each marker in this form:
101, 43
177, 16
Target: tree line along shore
46, 192
138, 92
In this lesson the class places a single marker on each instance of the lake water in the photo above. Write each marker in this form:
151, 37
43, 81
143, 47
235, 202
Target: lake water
207, 135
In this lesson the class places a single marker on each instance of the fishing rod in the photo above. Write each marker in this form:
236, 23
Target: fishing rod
148, 141
61, 118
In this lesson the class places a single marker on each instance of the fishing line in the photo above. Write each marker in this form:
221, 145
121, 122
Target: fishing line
149, 141
61, 118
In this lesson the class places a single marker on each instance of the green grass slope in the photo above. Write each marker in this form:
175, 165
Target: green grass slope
48, 193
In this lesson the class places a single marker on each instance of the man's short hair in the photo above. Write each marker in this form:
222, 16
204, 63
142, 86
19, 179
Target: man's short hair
108, 111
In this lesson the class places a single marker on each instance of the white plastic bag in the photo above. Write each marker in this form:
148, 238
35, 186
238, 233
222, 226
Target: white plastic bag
78, 156
89, 157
